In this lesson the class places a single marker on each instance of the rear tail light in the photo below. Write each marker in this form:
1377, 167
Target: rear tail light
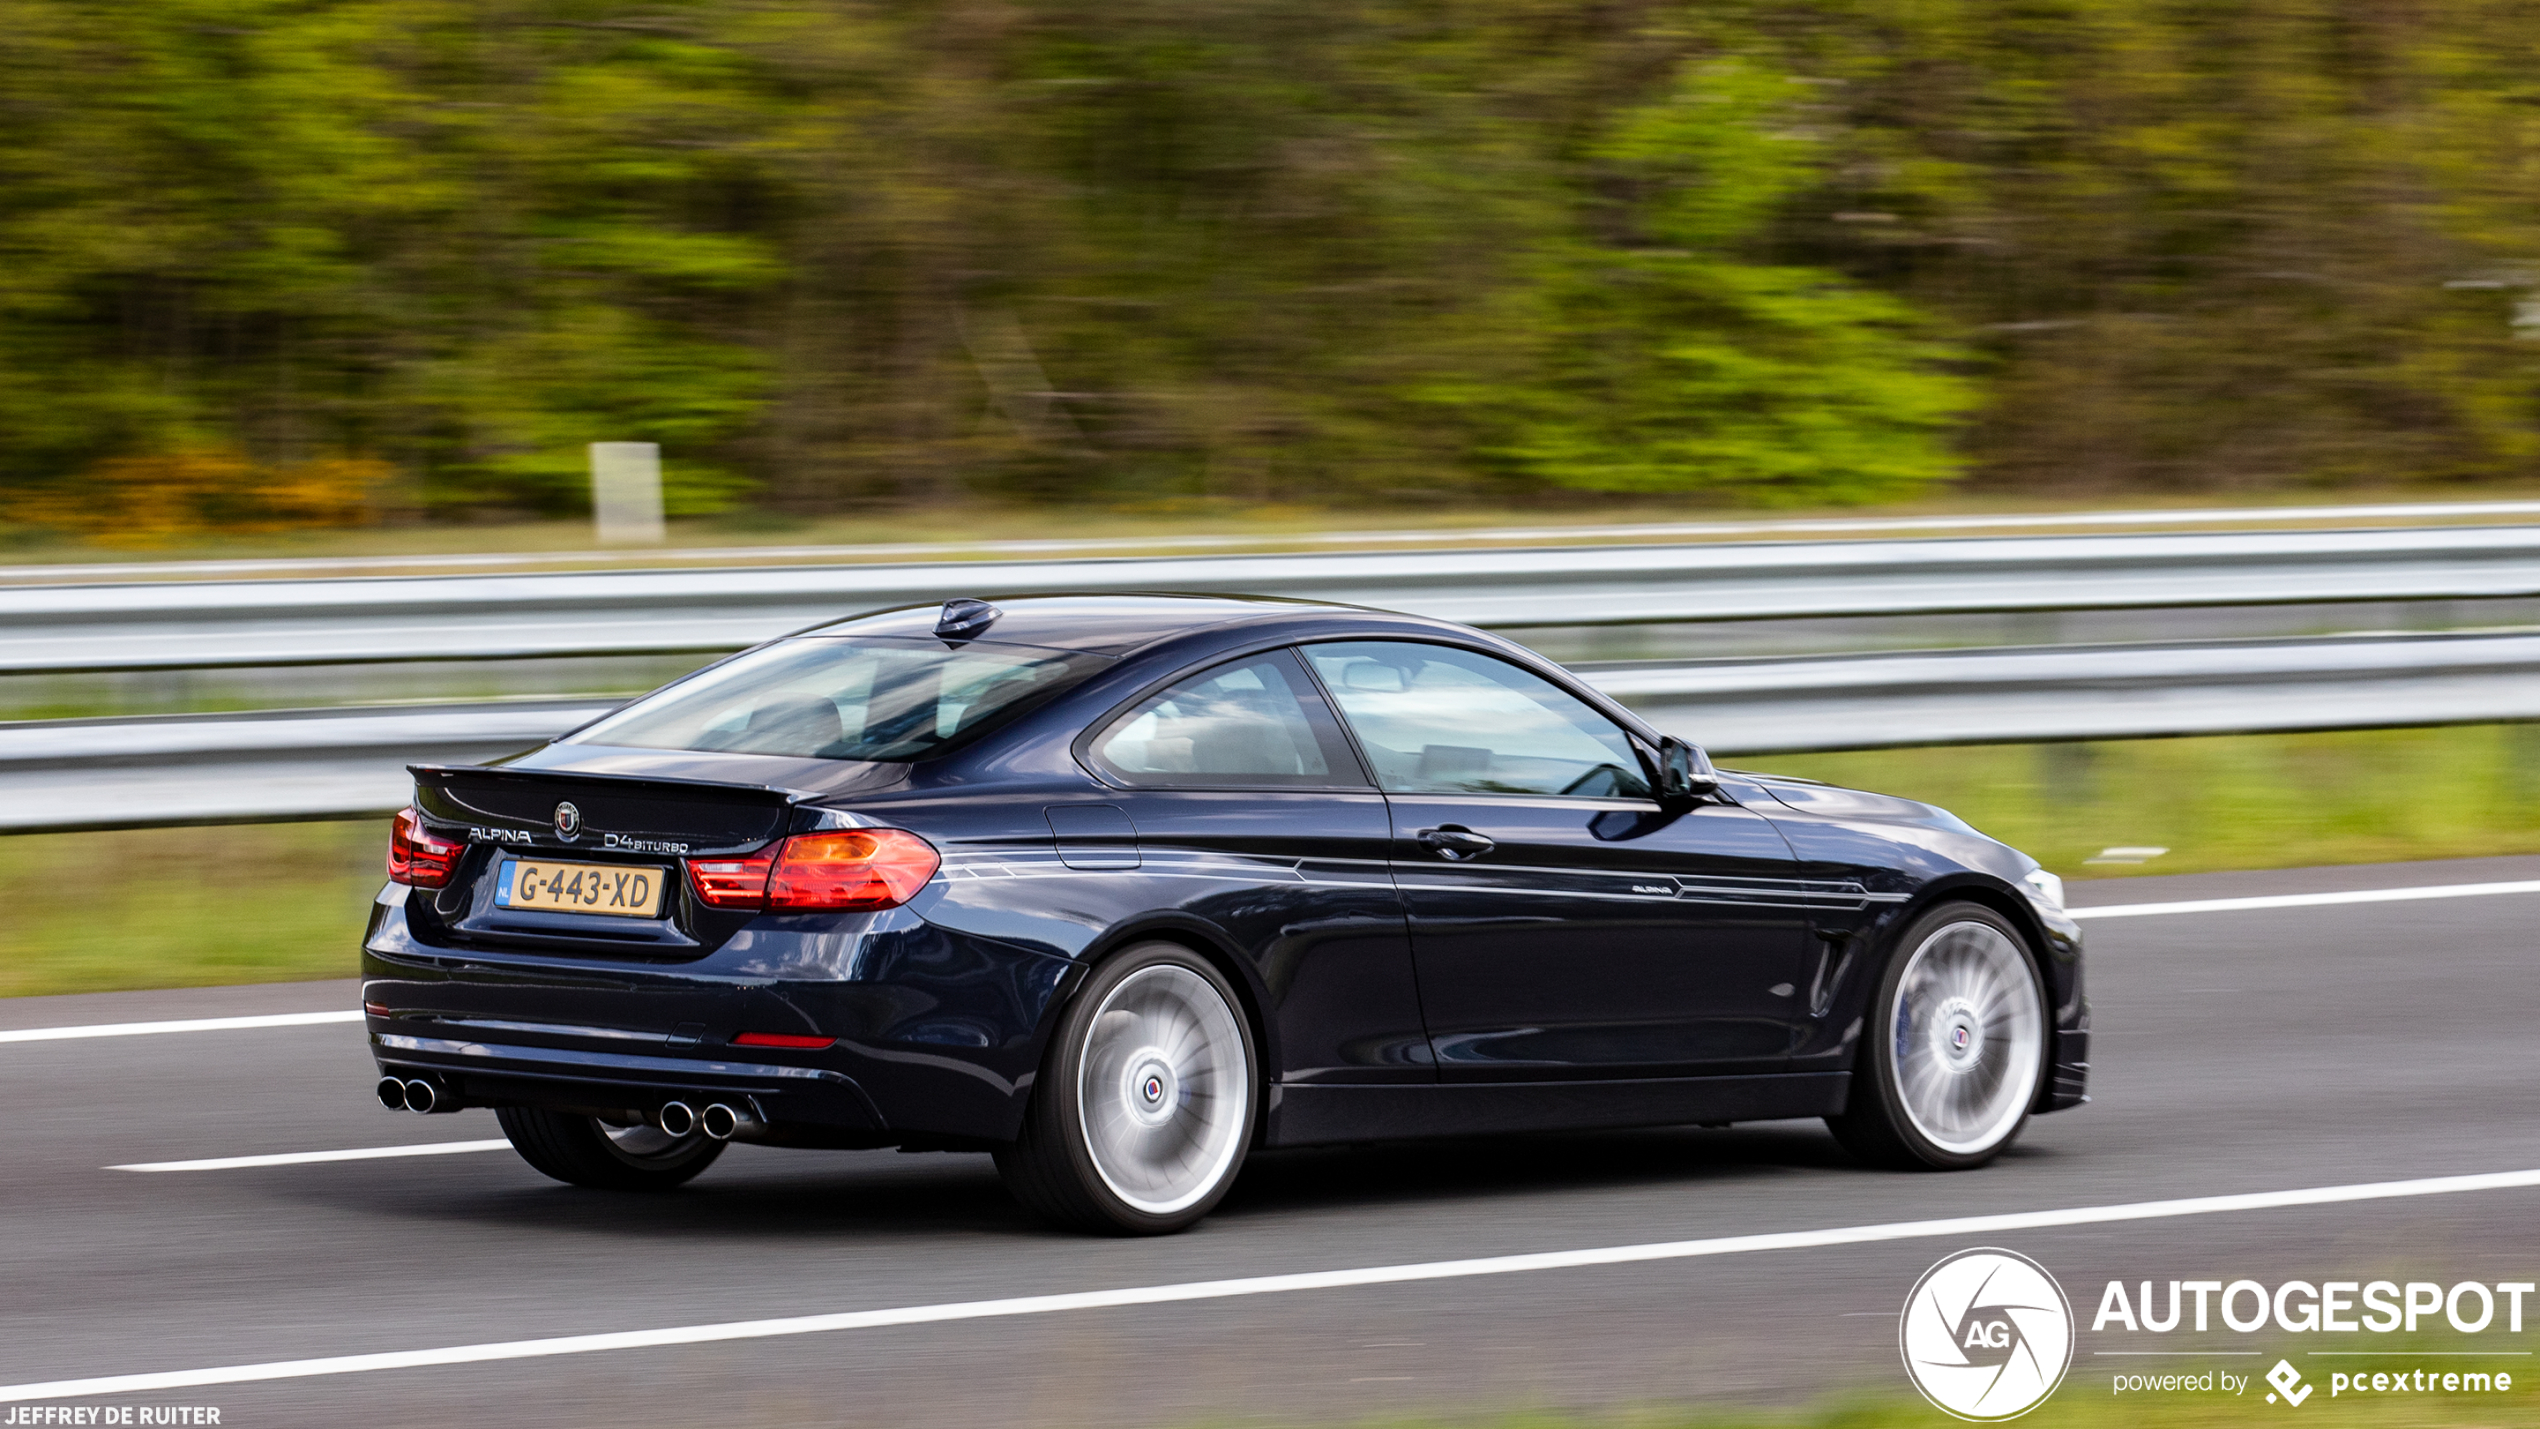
834, 872
853, 868
732, 882
417, 857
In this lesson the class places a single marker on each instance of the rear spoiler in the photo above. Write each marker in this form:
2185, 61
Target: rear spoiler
598, 811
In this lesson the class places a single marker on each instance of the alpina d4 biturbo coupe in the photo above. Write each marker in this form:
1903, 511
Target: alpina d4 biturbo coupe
1122, 888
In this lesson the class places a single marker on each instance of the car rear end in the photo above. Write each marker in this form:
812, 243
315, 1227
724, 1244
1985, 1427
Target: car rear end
686, 908
716, 953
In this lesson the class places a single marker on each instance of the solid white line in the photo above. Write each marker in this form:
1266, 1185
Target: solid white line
2307, 900
197, 1024
1963, 1226
303, 1158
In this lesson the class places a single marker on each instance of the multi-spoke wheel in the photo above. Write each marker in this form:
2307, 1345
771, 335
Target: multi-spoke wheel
1144, 1107
587, 1151
1953, 1049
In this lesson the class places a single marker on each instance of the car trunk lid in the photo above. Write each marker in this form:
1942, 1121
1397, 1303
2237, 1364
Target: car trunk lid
586, 812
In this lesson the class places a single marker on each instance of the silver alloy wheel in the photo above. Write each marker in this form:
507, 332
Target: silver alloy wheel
1970, 1037
1162, 1089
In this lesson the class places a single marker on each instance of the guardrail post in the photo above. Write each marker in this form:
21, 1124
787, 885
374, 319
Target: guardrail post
626, 493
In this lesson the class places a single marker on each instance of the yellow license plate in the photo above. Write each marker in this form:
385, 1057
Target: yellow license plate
580, 888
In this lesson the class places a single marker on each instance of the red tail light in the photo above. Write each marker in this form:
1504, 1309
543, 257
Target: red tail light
417, 857
828, 873
853, 868
732, 882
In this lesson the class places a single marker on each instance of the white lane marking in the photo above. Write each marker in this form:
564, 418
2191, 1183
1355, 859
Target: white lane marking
303, 1158
1966, 1226
196, 1024
2307, 900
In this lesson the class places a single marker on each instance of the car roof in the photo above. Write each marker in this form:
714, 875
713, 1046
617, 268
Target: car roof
1096, 624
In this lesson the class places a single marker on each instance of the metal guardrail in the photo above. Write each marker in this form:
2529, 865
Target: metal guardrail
234, 624
73, 774
60, 775
1639, 533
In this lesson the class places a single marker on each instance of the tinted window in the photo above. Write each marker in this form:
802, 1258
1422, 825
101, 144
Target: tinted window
1436, 720
846, 699
1254, 722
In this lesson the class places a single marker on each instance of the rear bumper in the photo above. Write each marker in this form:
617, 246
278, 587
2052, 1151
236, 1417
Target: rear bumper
936, 1035
804, 1104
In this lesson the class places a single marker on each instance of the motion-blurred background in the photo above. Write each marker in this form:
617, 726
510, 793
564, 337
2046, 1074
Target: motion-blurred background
269, 264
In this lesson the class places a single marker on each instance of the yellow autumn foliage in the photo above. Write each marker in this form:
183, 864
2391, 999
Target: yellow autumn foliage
153, 500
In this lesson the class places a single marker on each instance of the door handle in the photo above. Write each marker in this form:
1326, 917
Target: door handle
1454, 842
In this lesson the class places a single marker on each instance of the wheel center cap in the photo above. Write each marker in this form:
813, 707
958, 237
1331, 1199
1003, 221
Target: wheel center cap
1960, 1034
1151, 1090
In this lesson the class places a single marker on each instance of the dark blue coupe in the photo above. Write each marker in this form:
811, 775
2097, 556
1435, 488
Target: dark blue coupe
1122, 888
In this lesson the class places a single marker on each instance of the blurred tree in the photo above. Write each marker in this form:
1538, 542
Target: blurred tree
440, 232
1664, 358
839, 252
2275, 243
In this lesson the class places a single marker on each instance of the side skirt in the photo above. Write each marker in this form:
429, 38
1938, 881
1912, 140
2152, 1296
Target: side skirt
1318, 1114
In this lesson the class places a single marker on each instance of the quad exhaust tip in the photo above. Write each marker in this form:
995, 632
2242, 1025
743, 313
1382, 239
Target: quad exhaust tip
677, 1118
719, 1122
415, 1094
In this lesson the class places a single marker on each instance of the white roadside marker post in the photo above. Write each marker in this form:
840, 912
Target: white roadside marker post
626, 493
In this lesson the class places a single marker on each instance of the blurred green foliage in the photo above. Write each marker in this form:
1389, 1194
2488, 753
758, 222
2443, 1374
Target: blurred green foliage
839, 253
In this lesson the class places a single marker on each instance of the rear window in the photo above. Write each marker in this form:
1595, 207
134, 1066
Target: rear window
877, 699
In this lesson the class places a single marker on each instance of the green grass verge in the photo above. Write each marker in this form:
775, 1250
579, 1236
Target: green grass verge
185, 907
2251, 801
272, 903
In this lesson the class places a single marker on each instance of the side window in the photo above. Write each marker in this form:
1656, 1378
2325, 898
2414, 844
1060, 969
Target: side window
1252, 723
1437, 720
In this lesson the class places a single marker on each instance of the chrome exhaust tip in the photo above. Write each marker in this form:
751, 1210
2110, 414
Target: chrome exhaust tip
719, 1121
392, 1094
676, 1118
421, 1095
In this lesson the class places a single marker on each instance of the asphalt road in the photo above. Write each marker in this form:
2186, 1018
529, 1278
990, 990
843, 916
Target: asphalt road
2246, 1051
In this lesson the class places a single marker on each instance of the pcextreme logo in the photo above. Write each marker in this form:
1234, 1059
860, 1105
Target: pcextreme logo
2285, 1377
1986, 1335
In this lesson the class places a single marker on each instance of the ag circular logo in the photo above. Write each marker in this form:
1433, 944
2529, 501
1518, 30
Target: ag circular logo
1986, 1334
568, 822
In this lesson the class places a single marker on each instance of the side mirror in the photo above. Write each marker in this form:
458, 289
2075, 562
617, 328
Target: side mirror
1685, 775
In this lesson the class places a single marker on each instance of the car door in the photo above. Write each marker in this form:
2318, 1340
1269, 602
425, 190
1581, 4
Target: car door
1251, 809
1562, 924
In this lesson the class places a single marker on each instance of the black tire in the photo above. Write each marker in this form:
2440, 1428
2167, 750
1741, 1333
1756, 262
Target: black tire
1187, 1137
578, 1150
1924, 1054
